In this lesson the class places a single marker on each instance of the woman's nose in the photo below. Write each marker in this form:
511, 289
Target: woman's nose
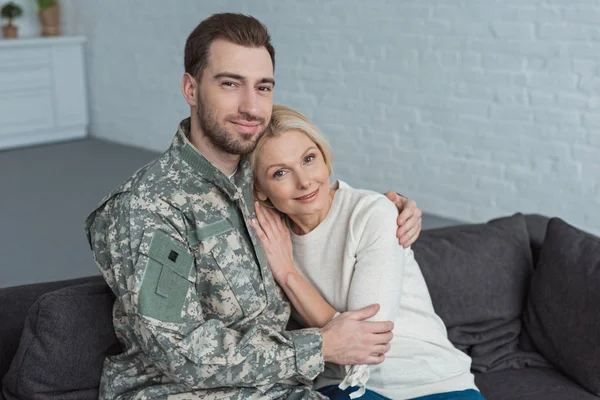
303, 181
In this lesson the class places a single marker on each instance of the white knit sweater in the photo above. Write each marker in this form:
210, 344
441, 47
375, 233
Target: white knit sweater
353, 259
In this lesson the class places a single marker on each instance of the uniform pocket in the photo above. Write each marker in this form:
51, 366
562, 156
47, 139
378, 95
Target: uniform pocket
225, 273
208, 231
166, 281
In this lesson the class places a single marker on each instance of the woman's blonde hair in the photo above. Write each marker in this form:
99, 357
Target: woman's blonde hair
284, 119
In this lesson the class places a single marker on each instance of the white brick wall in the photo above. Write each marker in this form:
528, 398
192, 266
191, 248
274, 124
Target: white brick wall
475, 108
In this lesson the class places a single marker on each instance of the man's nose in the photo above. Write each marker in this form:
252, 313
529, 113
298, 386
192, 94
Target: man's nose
249, 102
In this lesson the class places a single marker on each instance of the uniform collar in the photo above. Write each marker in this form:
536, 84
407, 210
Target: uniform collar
242, 180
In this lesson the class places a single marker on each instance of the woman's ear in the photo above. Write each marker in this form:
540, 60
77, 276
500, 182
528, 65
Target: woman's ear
260, 195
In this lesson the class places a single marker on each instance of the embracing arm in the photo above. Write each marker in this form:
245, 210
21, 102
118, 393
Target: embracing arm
139, 247
409, 220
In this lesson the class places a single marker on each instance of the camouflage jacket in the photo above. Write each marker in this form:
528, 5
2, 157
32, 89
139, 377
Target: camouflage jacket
197, 310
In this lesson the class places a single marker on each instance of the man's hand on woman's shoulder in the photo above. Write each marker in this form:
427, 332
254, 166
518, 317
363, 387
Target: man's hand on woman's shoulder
409, 219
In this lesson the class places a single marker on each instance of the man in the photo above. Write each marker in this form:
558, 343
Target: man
197, 310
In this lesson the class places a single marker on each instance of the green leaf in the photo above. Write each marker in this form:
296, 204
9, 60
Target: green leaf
11, 10
42, 4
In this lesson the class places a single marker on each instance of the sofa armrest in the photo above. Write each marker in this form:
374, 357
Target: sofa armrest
14, 304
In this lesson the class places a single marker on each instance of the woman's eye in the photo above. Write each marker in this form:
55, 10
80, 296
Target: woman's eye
278, 174
308, 159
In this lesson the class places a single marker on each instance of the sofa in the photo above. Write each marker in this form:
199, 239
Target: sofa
519, 294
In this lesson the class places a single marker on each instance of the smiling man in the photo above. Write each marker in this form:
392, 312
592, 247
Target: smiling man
197, 310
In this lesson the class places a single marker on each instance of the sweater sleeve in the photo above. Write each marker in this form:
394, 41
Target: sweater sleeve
378, 271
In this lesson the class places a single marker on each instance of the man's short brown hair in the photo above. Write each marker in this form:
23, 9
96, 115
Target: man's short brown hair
239, 29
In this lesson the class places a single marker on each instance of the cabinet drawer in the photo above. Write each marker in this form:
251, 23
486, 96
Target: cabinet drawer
29, 77
18, 57
26, 111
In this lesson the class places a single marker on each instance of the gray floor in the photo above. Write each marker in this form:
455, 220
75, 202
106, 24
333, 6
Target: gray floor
45, 194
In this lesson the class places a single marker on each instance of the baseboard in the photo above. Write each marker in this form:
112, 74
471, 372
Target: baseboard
25, 139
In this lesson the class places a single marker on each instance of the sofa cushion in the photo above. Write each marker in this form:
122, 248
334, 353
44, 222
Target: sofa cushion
66, 337
530, 384
16, 301
477, 276
562, 315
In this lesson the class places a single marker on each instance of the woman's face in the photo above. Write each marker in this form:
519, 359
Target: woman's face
291, 172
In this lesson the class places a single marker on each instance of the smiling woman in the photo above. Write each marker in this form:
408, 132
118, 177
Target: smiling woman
292, 170
340, 254
295, 180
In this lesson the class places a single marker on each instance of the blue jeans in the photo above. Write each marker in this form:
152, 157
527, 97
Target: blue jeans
335, 393
462, 395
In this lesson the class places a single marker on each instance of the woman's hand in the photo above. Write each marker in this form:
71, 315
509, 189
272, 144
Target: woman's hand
275, 238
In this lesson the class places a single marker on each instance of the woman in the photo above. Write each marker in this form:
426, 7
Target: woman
340, 253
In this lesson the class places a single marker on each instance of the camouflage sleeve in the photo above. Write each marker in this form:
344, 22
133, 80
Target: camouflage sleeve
141, 245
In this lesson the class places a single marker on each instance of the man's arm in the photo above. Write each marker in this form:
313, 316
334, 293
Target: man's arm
132, 239
166, 318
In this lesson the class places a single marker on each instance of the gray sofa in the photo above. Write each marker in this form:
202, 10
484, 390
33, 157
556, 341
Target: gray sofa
520, 295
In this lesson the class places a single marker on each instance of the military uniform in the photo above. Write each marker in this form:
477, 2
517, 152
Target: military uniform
197, 309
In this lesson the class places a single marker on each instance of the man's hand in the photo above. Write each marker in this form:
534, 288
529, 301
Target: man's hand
349, 340
409, 220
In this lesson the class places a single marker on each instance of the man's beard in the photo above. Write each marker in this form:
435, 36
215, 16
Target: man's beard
221, 138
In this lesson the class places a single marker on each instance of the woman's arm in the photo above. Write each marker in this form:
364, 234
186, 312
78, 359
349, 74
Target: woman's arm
275, 237
378, 273
380, 260
308, 302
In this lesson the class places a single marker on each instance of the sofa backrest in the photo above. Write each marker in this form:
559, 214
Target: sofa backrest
478, 277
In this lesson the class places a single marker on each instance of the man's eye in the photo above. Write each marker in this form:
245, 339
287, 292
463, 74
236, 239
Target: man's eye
278, 174
228, 84
265, 88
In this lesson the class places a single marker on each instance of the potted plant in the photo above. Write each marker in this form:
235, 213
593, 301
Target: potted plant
49, 13
11, 11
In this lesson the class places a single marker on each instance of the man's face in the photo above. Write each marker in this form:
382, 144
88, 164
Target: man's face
235, 96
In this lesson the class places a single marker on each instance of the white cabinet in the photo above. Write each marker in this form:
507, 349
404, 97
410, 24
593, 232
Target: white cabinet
42, 91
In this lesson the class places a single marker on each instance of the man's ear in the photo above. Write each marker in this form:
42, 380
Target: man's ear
189, 88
